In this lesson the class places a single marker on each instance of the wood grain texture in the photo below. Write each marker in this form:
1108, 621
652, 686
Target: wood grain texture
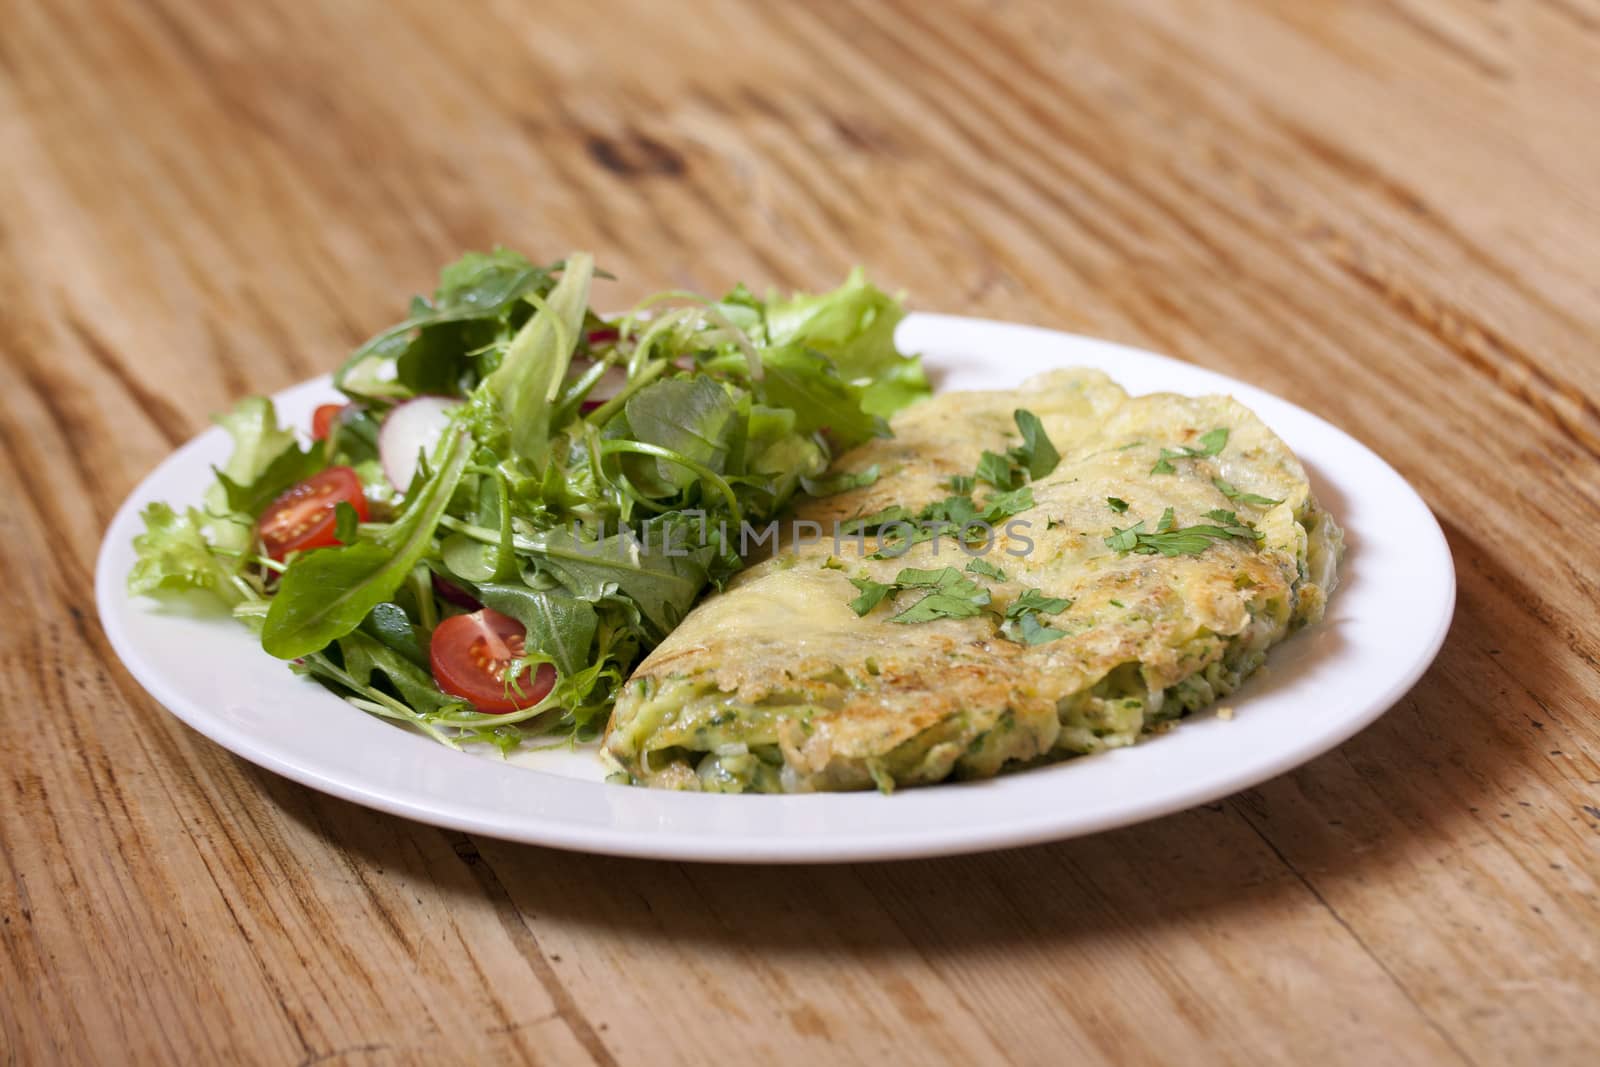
1387, 212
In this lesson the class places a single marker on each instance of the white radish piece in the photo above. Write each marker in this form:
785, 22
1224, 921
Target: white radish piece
410, 432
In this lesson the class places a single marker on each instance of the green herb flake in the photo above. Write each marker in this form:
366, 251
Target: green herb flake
1004, 505
997, 470
872, 594
1028, 630
953, 596
987, 569
1210, 443
1240, 497
1173, 540
1034, 600
1116, 504
1037, 455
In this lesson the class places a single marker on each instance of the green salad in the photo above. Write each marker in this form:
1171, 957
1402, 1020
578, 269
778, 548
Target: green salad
518, 497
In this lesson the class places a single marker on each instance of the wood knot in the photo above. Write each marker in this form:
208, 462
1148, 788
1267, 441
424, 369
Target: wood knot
634, 155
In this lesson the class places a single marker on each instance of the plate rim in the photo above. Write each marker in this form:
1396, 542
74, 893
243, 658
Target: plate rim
110, 591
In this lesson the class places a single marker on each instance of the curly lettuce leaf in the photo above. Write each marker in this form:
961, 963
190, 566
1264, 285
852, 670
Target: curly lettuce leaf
853, 326
174, 556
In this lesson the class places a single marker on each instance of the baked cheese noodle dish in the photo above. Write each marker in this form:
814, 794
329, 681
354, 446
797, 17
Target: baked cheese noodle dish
1013, 578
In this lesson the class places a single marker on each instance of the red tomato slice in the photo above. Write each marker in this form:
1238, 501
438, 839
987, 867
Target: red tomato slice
470, 655
303, 517
322, 420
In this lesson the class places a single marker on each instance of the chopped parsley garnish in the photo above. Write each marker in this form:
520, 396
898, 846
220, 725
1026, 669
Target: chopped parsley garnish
1117, 504
1035, 457
952, 595
987, 569
1210, 443
1240, 497
1028, 630
872, 594
1036, 454
997, 470
1170, 540
1022, 623
1035, 600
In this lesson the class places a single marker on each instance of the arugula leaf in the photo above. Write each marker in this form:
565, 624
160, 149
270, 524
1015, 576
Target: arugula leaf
694, 417
872, 594
346, 520
559, 628
1116, 504
472, 305
987, 569
660, 583
963, 484
805, 382
1239, 497
365, 656
327, 592
389, 623
526, 384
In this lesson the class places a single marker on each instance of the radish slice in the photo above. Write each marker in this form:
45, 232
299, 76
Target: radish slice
610, 384
409, 432
455, 594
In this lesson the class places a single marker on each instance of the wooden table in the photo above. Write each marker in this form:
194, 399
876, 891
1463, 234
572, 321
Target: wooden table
1386, 212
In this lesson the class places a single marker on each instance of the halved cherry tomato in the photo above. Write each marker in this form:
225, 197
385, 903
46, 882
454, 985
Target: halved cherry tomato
470, 655
322, 420
303, 517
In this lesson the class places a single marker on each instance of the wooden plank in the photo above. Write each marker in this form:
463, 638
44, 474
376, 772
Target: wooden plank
1385, 212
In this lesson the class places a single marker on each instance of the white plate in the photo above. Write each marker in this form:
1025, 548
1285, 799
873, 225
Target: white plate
1384, 626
